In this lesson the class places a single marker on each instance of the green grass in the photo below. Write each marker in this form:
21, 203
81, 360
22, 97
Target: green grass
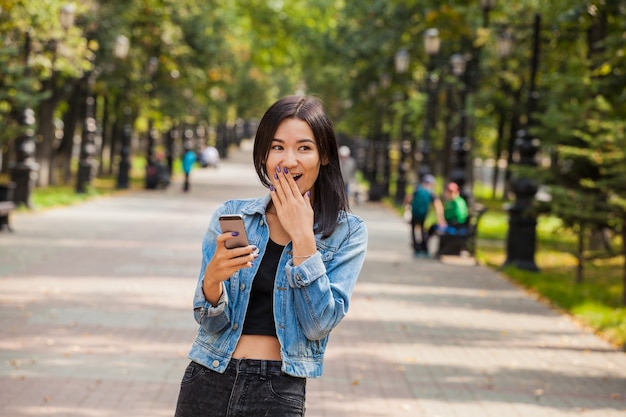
596, 303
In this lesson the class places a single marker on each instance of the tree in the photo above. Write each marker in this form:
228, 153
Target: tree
584, 124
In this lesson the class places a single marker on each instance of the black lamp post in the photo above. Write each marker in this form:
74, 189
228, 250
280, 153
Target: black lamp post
120, 50
378, 157
461, 144
170, 142
522, 233
370, 171
87, 161
123, 173
432, 44
504, 48
487, 5
24, 169
153, 65
401, 63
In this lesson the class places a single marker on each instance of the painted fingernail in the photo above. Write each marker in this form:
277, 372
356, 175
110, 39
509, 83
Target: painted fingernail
271, 188
277, 168
275, 176
285, 170
235, 233
308, 194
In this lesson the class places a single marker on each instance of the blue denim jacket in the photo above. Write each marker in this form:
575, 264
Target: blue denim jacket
309, 299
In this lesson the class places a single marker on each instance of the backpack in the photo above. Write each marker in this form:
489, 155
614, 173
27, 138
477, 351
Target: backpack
420, 203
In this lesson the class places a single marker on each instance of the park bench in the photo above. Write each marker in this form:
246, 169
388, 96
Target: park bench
6, 205
462, 238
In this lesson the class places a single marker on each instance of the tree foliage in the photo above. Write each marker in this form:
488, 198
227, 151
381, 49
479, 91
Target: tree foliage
220, 60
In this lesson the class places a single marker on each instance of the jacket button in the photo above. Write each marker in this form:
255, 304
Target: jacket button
235, 326
242, 287
216, 363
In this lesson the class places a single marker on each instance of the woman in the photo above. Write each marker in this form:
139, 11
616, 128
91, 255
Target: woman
265, 310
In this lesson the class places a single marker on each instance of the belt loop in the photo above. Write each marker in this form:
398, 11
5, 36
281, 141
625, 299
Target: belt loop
264, 368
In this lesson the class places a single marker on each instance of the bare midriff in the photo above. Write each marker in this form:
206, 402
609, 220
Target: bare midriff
257, 347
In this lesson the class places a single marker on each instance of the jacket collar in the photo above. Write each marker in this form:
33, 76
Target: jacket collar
257, 205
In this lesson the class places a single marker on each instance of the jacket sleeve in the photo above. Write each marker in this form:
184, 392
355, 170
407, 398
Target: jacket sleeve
323, 287
213, 319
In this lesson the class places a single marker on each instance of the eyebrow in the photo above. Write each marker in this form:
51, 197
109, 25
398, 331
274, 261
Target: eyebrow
303, 140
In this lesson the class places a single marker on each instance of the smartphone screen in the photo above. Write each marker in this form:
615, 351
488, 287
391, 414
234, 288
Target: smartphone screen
234, 223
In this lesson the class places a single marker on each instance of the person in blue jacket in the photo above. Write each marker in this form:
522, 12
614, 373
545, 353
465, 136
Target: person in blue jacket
265, 311
189, 159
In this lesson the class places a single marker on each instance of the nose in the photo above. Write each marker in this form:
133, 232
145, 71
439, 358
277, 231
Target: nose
290, 160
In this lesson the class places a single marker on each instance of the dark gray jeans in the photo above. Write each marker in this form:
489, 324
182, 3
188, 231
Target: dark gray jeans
248, 388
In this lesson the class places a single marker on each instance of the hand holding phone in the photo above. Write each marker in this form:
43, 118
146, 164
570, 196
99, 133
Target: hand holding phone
234, 223
224, 262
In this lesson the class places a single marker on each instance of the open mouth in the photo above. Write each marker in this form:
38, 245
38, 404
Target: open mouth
297, 177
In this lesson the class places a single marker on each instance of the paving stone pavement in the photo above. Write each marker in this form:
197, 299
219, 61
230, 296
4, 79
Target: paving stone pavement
95, 320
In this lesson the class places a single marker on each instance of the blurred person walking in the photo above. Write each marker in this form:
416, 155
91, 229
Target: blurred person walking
420, 201
189, 159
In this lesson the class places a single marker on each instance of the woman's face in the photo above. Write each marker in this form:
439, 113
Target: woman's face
294, 148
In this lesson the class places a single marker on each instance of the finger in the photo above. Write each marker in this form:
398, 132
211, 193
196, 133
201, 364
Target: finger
275, 197
289, 183
278, 194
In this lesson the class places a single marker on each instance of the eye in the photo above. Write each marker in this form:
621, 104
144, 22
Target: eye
277, 147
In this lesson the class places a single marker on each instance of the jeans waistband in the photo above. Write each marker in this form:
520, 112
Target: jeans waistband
257, 366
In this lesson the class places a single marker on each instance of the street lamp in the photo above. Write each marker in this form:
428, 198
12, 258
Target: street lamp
371, 171
377, 151
486, 5
67, 15
23, 170
401, 63
432, 44
87, 161
170, 143
504, 44
121, 47
504, 48
153, 65
120, 50
522, 233
461, 144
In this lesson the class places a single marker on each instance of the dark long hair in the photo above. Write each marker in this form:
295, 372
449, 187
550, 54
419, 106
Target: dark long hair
329, 191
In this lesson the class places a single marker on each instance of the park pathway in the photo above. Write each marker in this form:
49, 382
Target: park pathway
96, 321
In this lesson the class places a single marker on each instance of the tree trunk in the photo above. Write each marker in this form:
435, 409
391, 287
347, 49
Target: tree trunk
44, 155
446, 149
513, 128
107, 140
624, 258
45, 117
65, 149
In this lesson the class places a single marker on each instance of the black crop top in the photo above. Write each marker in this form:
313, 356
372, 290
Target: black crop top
260, 314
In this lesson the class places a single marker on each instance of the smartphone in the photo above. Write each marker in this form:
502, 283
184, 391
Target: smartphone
234, 223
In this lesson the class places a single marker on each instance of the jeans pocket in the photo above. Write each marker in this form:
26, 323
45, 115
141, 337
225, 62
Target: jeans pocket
192, 371
289, 390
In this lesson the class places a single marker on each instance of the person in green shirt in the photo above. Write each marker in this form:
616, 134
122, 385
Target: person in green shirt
454, 207
455, 212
